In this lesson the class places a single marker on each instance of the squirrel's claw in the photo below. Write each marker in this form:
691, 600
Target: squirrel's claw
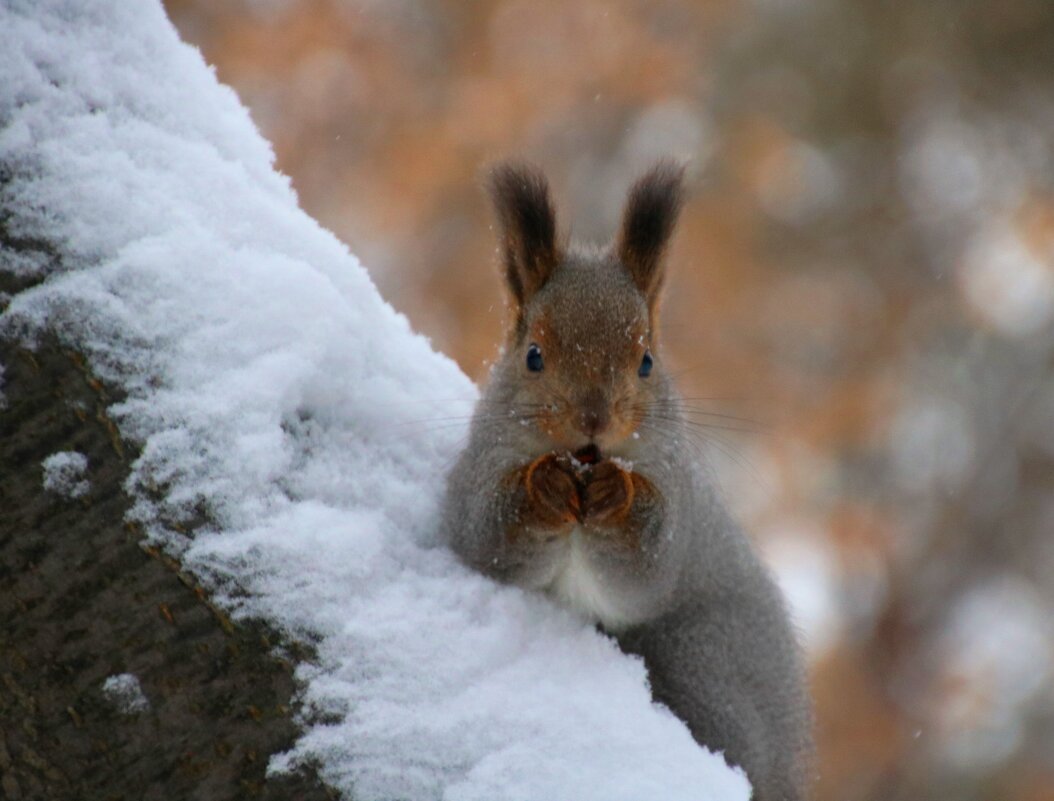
607, 495
553, 489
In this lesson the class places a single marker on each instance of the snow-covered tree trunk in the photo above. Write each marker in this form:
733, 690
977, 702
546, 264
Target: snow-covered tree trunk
202, 386
83, 604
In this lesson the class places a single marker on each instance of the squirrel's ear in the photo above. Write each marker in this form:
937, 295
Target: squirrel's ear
651, 212
527, 220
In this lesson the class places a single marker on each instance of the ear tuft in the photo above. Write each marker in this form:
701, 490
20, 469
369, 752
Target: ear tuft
520, 194
651, 212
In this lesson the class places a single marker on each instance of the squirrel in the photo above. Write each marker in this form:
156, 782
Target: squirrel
577, 480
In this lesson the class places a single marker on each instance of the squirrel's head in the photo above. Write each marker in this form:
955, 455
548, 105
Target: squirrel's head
581, 366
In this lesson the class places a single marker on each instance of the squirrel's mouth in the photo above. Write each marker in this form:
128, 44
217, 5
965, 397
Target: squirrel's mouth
590, 454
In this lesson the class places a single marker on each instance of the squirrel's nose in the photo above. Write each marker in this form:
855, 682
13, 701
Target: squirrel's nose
595, 415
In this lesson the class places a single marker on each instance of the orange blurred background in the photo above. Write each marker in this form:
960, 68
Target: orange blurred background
865, 274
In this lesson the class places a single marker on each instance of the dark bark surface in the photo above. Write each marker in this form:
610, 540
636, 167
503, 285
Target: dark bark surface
81, 600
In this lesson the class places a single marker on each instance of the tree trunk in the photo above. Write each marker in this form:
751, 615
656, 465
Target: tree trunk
83, 600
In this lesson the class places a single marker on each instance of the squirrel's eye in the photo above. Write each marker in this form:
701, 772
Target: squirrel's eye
534, 359
645, 365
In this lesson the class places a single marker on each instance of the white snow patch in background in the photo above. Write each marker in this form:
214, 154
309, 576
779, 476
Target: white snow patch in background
64, 474
268, 382
125, 693
996, 655
1011, 287
806, 571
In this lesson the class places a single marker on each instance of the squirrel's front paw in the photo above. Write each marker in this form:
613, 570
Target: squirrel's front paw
607, 495
552, 490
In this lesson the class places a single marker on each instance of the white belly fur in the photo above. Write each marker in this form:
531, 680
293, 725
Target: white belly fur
578, 585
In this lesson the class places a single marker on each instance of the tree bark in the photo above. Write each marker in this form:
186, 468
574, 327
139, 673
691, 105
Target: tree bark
82, 599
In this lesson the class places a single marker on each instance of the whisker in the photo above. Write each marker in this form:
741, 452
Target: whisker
701, 424
695, 408
700, 444
687, 409
713, 425
695, 444
736, 400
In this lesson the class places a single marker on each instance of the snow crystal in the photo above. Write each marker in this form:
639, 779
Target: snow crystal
64, 472
267, 381
124, 692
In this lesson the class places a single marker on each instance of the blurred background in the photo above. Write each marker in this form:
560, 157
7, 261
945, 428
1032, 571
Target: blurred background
864, 274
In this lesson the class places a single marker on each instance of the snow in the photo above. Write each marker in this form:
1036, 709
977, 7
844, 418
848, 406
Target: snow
64, 472
268, 382
125, 693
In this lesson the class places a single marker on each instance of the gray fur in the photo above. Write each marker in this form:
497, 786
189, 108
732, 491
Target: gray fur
694, 600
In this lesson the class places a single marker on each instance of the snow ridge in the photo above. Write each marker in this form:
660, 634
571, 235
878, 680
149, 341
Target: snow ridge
268, 383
